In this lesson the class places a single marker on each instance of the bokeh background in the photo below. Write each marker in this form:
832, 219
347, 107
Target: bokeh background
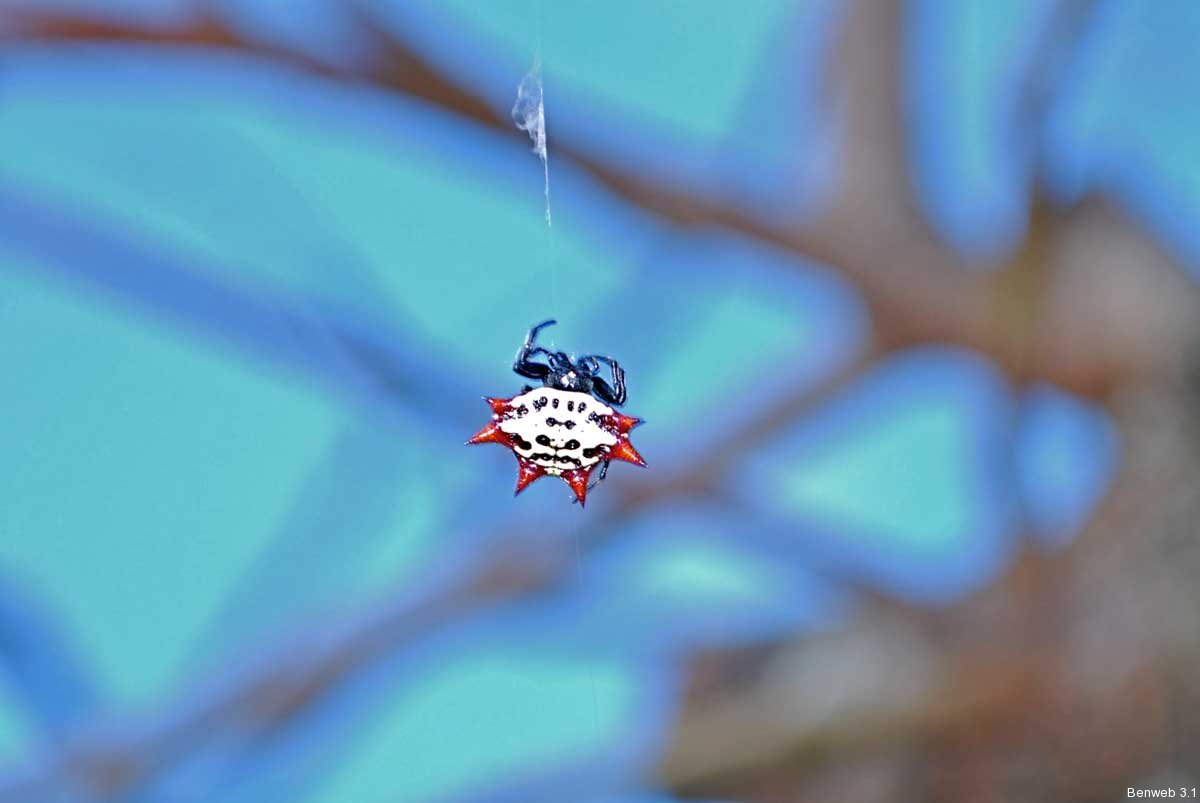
906, 292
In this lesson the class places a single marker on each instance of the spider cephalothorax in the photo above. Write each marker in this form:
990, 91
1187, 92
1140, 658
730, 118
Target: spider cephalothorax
568, 427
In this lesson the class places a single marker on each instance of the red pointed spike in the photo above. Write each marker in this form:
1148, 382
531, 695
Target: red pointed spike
578, 478
527, 472
491, 434
499, 406
623, 423
624, 451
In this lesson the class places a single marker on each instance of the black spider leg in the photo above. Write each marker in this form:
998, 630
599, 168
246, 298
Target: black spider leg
613, 394
598, 480
523, 364
560, 362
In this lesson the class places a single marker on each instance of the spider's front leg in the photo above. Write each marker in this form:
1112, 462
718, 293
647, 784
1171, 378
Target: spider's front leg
613, 394
523, 364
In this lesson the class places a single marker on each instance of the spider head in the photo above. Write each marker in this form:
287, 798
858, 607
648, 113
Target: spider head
569, 375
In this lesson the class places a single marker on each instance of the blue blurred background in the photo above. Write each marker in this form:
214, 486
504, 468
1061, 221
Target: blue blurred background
260, 259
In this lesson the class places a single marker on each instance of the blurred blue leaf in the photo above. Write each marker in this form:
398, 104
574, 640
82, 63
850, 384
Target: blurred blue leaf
1128, 118
167, 165
448, 733
17, 733
1067, 453
45, 683
906, 472
366, 517
964, 85
143, 474
684, 578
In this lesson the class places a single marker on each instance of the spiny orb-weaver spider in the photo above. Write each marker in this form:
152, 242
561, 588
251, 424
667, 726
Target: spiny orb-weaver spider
568, 427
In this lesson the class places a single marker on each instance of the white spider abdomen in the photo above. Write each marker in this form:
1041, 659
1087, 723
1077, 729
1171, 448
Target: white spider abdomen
559, 430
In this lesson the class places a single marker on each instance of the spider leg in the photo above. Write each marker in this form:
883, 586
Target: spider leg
603, 473
532, 370
613, 394
600, 477
534, 331
523, 364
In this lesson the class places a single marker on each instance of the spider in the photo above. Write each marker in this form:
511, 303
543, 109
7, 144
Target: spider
567, 427
574, 375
